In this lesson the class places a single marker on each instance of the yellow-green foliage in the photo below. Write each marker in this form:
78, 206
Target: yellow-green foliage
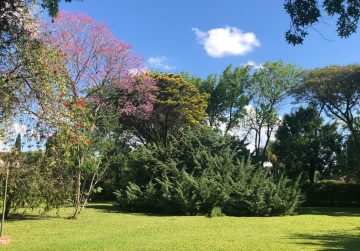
182, 97
178, 105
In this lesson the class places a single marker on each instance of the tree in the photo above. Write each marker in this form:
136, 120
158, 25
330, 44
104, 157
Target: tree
336, 90
104, 80
26, 180
30, 83
26, 64
351, 159
228, 96
53, 6
305, 144
16, 13
15, 19
13, 165
305, 13
178, 105
270, 86
17, 27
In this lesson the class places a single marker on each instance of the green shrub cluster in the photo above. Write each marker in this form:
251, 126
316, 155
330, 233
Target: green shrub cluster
331, 193
198, 173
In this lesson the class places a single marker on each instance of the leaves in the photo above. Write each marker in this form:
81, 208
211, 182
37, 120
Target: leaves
305, 13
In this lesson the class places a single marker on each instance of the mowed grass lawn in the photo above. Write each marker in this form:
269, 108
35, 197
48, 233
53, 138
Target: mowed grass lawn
102, 227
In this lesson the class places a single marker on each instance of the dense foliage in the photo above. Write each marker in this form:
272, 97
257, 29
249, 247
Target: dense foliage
305, 144
332, 193
178, 105
198, 173
228, 96
336, 90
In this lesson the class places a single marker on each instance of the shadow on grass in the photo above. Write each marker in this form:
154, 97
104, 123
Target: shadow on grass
108, 207
112, 207
329, 211
330, 241
30, 217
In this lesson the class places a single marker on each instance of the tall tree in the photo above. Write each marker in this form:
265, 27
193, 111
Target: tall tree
336, 89
17, 145
18, 27
104, 79
178, 105
270, 87
31, 79
228, 96
305, 144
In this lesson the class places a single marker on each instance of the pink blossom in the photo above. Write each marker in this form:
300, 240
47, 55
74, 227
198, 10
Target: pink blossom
96, 59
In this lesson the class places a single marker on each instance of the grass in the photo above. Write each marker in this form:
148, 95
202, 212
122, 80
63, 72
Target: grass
101, 227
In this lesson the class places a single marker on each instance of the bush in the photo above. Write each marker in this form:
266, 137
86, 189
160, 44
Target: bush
331, 193
198, 173
216, 212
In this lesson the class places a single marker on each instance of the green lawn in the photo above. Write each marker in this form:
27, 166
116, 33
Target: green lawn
101, 227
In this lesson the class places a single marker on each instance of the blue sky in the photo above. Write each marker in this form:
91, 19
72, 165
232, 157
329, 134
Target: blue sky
162, 32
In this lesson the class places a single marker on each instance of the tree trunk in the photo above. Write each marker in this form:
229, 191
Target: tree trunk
8, 206
88, 193
312, 174
78, 195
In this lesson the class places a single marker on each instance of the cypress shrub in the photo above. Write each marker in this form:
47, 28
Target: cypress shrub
198, 173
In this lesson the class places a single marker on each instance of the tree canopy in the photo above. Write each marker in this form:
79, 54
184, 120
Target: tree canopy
305, 144
178, 105
306, 13
336, 89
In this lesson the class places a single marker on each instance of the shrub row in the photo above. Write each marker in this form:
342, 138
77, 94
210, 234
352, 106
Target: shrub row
332, 193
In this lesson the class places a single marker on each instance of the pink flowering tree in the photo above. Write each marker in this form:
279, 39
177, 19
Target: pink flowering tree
105, 79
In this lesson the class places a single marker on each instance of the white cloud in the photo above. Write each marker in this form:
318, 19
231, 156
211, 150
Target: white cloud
254, 65
160, 62
228, 41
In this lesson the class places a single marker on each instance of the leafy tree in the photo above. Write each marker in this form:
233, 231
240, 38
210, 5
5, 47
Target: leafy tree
20, 52
350, 159
13, 164
305, 144
15, 20
16, 13
336, 90
305, 13
228, 96
52, 6
270, 86
178, 105
25, 182
30, 83
100, 87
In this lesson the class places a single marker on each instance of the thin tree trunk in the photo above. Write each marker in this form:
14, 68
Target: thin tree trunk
89, 193
312, 174
268, 135
8, 206
78, 195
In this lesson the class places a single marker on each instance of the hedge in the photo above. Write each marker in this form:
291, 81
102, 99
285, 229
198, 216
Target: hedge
331, 193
